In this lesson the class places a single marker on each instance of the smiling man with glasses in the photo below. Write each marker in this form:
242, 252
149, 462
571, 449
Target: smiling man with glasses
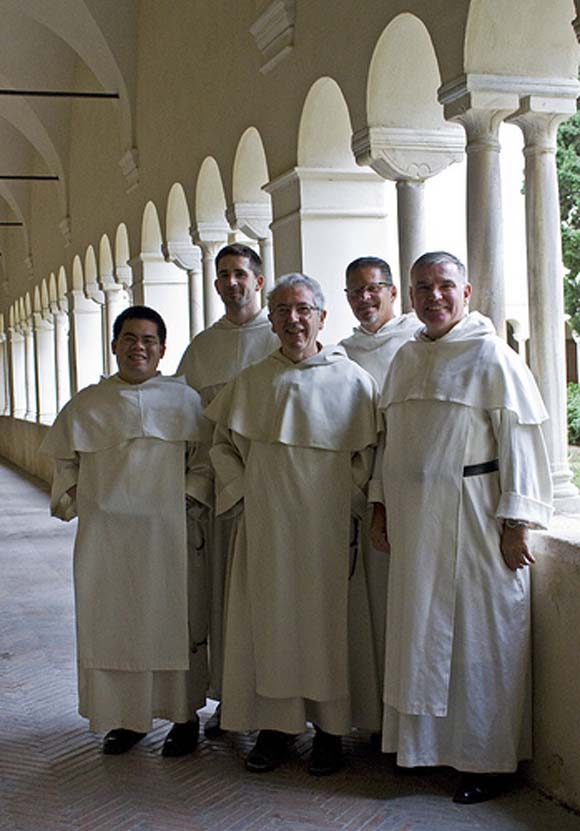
292, 447
371, 294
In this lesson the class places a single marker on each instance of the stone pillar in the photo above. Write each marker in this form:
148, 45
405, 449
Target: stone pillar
30, 370
61, 353
210, 239
539, 117
18, 395
408, 157
115, 299
187, 256
323, 219
4, 377
253, 219
411, 222
86, 339
164, 287
481, 113
45, 368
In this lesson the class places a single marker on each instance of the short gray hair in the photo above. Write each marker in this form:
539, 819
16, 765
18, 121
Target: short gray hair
297, 279
437, 257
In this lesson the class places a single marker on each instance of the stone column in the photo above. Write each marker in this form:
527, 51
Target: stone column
253, 219
539, 117
4, 396
18, 371
481, 113
61, 353
188, 257
115, 300
411, 222
210, 239
30, 370
408, 156
45, 368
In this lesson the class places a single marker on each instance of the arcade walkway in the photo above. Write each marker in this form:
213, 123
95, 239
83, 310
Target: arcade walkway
53, 776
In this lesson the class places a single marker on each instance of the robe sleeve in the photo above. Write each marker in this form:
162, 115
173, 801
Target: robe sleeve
362, 465
376, 493
228, 455
524, 470
199, 477
66, 474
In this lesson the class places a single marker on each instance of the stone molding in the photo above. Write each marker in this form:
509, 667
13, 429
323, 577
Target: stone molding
209, 233
183, 253
251, 218
490, 86
273, 32
66, 230
401, 153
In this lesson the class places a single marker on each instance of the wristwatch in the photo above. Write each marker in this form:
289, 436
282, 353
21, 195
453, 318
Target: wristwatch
516, 523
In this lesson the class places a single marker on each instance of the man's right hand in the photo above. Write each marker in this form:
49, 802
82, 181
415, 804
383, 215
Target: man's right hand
379, 536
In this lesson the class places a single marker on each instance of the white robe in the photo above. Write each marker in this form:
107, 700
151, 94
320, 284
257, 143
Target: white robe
457, 677
374, 351
128, 449
213, 358
298, 463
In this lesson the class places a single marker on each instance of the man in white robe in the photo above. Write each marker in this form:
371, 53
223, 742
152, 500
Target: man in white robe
292, 448
125, 458
240, 338
464, 475
371, 294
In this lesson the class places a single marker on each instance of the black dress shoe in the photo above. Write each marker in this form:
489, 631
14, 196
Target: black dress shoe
326, 756
476, 787
212, 728
268, 752
120, 741
181, 739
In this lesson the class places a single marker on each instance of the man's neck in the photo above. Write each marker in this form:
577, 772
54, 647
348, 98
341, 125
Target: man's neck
242, 316
373, 328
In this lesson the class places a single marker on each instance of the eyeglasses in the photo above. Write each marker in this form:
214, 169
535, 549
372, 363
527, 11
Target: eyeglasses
303, 310
374, 289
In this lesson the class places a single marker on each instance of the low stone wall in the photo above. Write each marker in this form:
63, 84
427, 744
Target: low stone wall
19, 442
556, 613
556, 616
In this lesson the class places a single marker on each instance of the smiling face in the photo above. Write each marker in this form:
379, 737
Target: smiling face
371, 300
237, 284
440, 294
296, 321
138, 350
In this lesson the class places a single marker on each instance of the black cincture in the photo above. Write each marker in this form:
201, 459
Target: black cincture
484, 467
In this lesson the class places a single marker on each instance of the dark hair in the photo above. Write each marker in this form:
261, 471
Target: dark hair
371, 262
437, 257
239, 250
140, 313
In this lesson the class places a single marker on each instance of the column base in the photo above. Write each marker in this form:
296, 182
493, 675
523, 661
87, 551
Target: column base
566, 495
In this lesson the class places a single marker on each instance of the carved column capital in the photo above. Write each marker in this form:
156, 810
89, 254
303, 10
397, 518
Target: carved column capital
539, 118
251, 218
401, 153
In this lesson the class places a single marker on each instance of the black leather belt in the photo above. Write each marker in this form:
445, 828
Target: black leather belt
484, 467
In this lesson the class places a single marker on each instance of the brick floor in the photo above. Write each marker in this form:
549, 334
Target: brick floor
54, 777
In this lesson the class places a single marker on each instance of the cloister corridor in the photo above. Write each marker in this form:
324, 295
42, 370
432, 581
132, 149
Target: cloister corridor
53, 776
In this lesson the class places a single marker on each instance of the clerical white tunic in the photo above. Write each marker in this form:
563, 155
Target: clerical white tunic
213, 358
292, 447
374, 351
128, 449
457, 677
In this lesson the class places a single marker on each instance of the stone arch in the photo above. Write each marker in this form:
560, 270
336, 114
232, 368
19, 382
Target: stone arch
122, 256
521, 38
62, 284
77, 274
36, 302
324, 134
106, 269
404, 78
151, 237
250, 170
177, 217
210, 199
91, 272
52, 288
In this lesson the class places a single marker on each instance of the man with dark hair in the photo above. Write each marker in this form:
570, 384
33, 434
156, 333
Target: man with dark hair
371, 295
241, 337
464, 473
127, 455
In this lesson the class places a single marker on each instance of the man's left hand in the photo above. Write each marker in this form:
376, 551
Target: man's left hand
514, 547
